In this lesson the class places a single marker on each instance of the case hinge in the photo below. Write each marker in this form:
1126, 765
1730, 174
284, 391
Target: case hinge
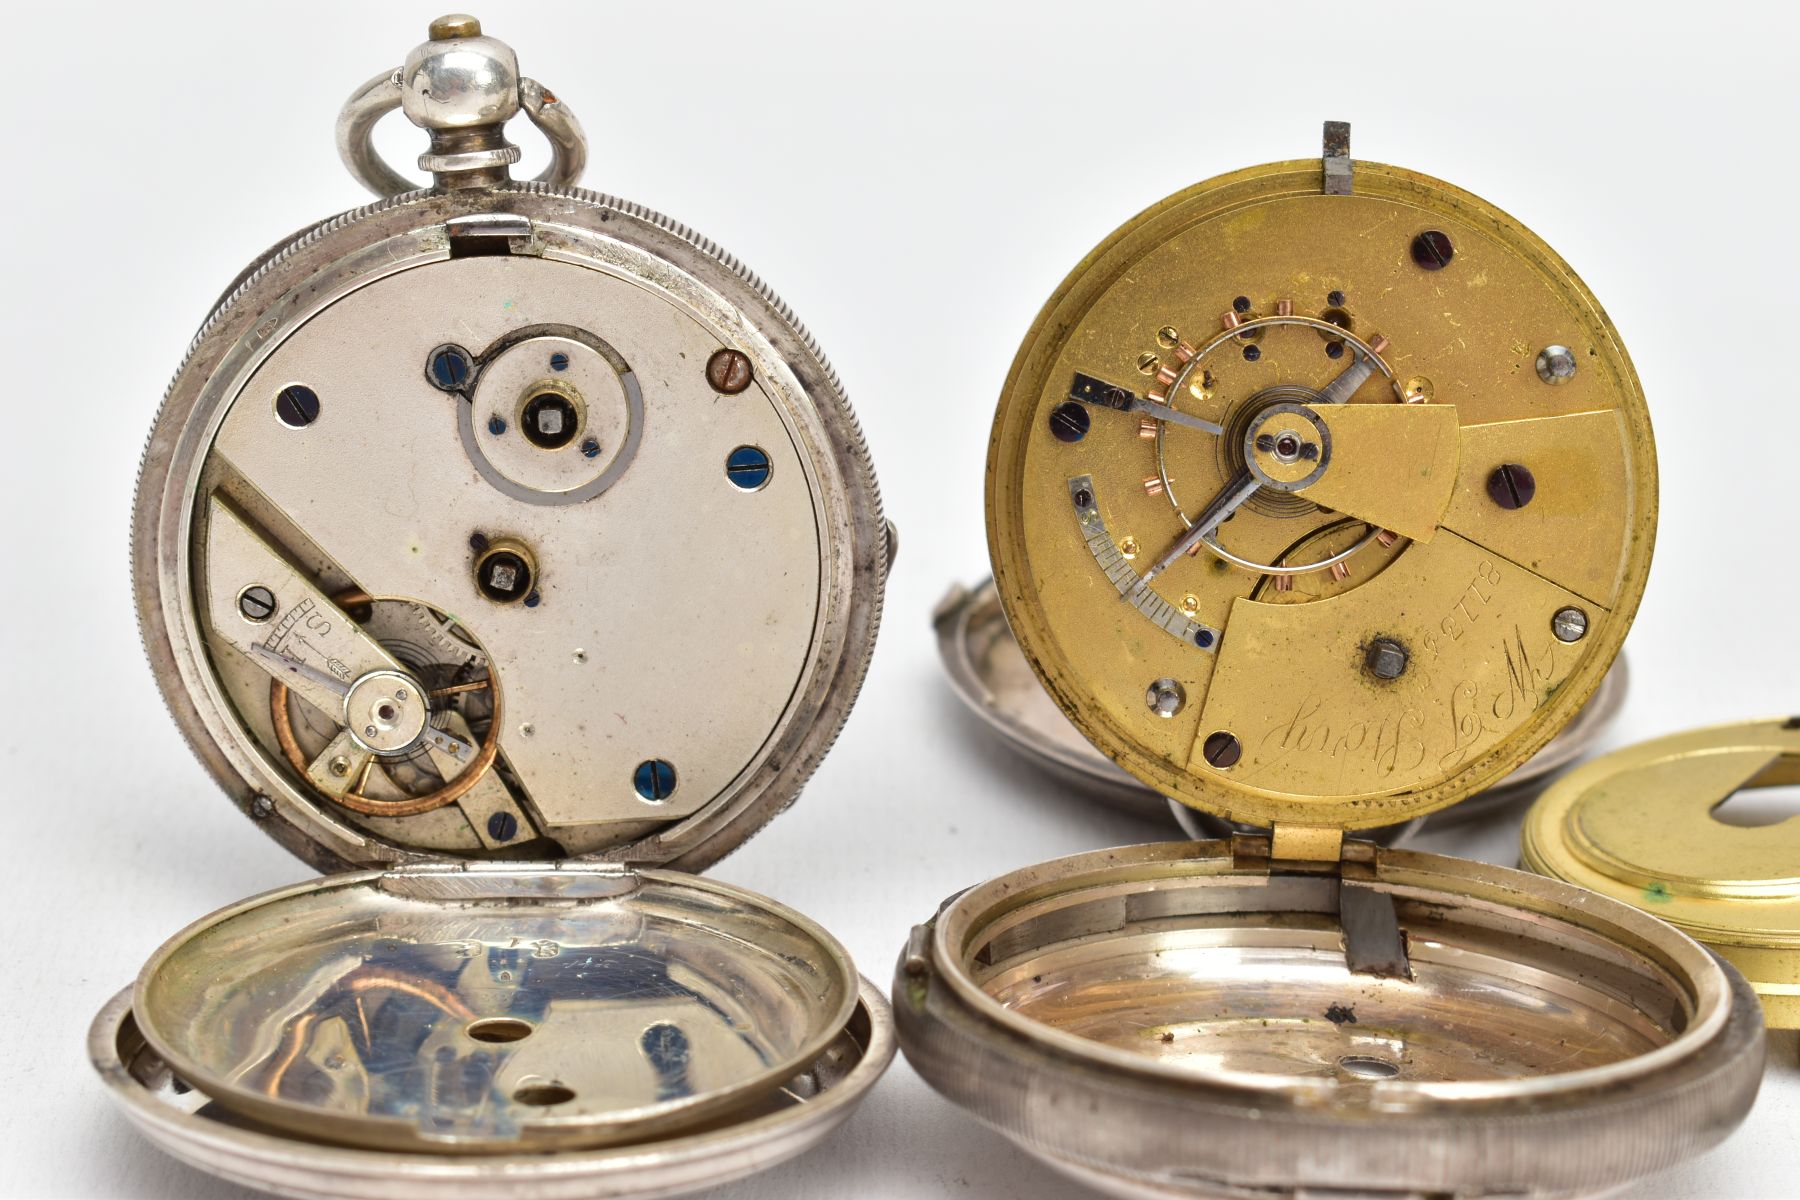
1374, 943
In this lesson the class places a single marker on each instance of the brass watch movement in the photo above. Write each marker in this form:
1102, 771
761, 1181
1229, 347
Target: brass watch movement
1321, 499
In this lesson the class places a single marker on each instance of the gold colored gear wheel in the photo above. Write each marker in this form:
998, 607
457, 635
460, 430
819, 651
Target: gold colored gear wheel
1414, 668
351, 798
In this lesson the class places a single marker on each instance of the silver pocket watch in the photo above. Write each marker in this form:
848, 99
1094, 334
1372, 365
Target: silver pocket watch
510, 553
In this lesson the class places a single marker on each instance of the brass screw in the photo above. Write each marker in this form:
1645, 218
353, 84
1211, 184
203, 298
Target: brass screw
1147, 363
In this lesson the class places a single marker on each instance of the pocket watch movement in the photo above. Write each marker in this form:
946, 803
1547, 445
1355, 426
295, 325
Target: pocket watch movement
1321, 499
443, 541
509, 551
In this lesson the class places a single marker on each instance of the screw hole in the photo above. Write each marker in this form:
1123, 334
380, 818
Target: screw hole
1367, 1066
1165, 698
500, 1030
542, 1095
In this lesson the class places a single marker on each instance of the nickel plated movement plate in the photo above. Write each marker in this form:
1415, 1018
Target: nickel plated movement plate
512, 551
1321, 509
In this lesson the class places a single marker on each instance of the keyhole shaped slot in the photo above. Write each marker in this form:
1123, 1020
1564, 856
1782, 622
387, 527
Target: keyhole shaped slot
1753, 807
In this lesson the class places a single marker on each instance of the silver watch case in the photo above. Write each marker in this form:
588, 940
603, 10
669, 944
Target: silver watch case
1015, 1002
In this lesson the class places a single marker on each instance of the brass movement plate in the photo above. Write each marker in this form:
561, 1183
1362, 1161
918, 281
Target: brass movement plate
988, 673
1425, 462
1642, 825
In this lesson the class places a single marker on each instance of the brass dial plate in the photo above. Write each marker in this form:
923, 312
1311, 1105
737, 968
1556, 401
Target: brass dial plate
1641, 825
1283, 353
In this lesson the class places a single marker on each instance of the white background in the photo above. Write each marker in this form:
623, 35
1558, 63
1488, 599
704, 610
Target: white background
915, 179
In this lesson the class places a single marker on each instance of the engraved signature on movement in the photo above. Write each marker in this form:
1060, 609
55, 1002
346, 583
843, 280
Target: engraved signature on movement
1392, 743
1401, 740
1526, 684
